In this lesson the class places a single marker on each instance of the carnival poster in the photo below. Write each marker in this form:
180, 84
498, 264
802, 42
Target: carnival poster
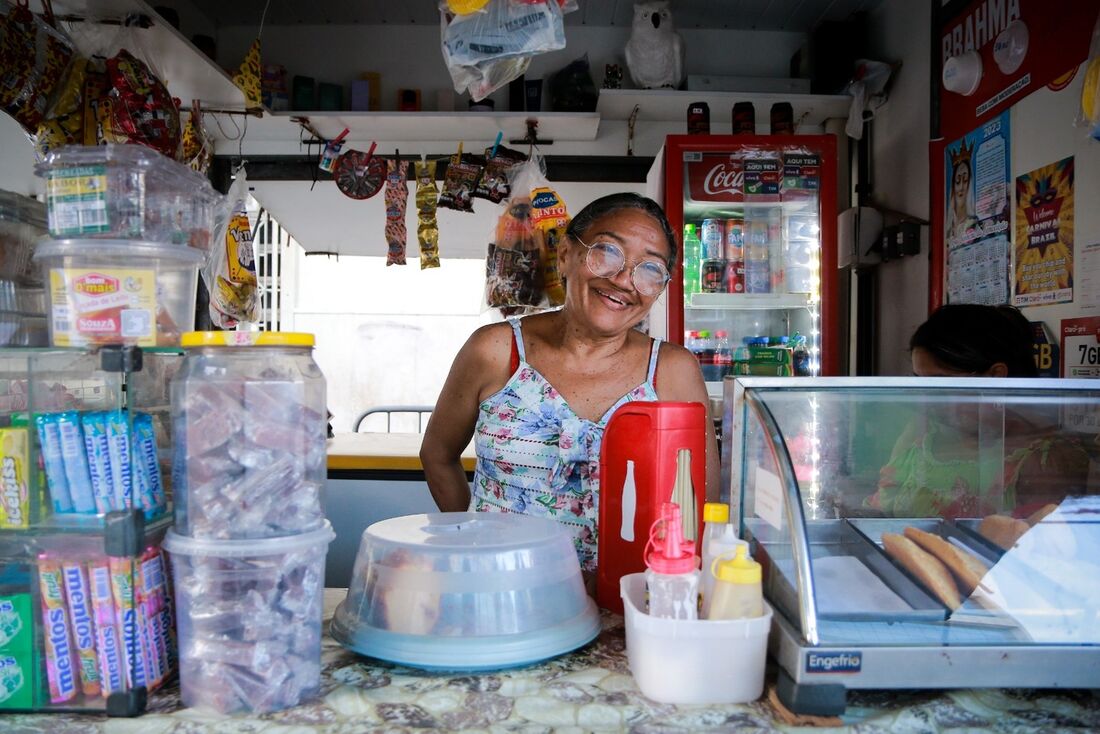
1044, 235
976, 217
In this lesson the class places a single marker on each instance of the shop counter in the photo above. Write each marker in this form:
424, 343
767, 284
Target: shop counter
372, 477
589, 690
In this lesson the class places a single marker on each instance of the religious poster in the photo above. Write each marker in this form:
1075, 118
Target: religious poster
1044, 235
976, 218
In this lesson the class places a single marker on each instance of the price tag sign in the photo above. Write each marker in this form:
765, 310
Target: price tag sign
1081, 347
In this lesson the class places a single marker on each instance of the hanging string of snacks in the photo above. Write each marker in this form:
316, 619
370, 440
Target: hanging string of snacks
397, 199
427, 231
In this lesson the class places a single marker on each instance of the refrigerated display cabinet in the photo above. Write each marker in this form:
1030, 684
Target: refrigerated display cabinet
921, 532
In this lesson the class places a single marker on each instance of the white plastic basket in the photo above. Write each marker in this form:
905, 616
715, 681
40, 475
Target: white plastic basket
693, 661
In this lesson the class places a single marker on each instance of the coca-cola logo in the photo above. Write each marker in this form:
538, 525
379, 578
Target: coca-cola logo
724, 179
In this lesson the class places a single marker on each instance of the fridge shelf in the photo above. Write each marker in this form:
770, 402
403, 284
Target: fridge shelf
750, 301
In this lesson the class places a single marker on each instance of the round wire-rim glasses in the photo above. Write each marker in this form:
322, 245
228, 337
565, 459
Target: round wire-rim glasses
606, 260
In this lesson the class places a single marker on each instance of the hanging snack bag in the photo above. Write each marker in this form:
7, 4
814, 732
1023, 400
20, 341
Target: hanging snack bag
197, 150
460, 182
64, 125
230, 273
427, 230
550, 218
512, 281
33, 58
97, 103
142, 110
397, 199
494, 181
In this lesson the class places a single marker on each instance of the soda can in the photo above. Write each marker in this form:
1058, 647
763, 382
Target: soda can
735, 276
698, 118
735, 239
744, 119
713, 235
713, 276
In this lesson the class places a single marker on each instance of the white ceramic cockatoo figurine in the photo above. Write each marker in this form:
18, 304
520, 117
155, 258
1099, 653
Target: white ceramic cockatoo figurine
655, 51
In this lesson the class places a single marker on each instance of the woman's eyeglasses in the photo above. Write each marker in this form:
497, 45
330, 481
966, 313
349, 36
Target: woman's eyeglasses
606, 260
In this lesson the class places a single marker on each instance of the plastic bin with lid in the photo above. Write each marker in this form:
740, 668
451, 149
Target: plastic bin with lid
118, 291
249, 417
466, 591
126, 192
249, 619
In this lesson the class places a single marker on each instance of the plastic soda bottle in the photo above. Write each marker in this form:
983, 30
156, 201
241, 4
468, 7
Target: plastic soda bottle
723, 355
719, 539
672, 580
738, 591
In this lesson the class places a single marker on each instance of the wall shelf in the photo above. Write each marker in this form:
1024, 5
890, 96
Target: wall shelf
670, 105
188, 72
475, 127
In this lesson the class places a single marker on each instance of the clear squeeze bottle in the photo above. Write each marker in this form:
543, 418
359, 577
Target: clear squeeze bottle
737, 589
719, 539
672, 579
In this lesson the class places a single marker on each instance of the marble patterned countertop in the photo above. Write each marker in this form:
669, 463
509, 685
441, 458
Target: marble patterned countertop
589, 690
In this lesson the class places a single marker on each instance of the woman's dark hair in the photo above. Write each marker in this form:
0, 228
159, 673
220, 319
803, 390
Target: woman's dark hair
623, 200
972, 338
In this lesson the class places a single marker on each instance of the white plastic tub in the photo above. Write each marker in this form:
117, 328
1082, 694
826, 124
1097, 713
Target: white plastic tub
118, 291
693, 661
249, 619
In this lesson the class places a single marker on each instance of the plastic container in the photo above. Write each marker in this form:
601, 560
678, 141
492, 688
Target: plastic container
126, 192
249, 432
465, 591
719, 539
671, 576
118, 291
22, 223
249, 620
693, 661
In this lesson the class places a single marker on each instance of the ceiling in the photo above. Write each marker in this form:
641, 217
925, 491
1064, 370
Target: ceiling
776, 15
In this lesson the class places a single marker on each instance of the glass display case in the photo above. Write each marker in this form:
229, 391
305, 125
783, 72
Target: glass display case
921, 532
85, 613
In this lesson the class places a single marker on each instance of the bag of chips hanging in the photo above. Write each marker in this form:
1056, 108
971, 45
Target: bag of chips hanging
493, 184
142, 109
460, 180
513, 276
34, 56
230, 272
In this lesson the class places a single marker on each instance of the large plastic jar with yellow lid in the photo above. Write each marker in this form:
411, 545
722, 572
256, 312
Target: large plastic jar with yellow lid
249, 426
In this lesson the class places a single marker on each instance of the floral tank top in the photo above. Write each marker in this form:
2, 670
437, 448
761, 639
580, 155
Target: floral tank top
537, 457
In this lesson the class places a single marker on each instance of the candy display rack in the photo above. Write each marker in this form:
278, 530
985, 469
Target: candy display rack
86, 620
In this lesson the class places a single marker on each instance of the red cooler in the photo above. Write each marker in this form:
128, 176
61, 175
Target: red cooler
642, 440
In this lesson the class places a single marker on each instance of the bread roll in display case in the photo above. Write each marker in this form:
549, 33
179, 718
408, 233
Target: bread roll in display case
921, 532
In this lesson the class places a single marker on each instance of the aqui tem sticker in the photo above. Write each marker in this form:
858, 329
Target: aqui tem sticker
835, 661
103, 306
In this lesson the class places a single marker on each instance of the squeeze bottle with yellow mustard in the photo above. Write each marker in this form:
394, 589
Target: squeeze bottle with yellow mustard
737, 590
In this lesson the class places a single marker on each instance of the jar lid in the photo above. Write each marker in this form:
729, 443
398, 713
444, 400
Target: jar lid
246, 339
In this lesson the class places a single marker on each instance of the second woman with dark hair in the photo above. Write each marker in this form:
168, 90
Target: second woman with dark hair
536, 393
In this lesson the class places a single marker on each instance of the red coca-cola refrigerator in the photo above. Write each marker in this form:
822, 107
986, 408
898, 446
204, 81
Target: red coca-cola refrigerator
755, 286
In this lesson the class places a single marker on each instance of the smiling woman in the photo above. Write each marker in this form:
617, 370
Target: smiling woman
536, 393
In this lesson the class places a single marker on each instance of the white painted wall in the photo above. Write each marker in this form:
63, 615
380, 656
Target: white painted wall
899, 31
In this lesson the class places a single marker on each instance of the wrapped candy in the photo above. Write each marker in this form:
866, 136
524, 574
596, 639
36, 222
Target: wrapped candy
250, 626
427, 230
397, 199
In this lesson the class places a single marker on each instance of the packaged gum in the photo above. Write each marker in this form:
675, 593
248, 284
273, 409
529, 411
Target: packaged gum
118, 441
60, 664
154, 675
49, 444
76, 462
146, 449
15, 500
98, 450
112, 670
80, 613
152, 600
122, 575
